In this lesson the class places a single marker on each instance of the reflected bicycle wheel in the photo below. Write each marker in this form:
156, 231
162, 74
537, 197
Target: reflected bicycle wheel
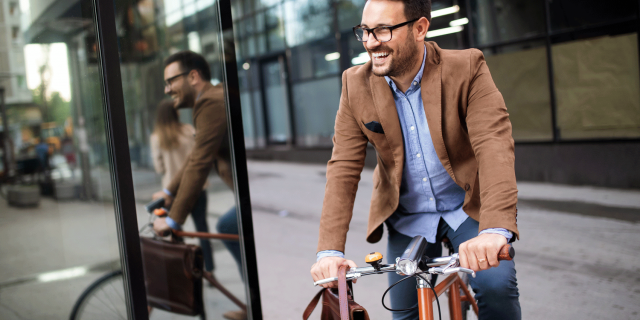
103, 299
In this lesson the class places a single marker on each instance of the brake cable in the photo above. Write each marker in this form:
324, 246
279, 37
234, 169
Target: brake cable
413, 308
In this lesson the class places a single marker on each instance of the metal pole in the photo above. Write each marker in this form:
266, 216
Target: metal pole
5, 135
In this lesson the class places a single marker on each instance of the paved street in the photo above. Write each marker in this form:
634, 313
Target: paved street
577, 259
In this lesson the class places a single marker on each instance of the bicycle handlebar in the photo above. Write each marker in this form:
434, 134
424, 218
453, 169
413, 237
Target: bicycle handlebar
432, 265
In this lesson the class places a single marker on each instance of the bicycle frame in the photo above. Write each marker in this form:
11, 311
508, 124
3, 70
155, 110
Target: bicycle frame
453, 283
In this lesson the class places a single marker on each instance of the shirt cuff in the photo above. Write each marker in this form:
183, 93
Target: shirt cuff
329, 253
167, 192
506, 233
174, 225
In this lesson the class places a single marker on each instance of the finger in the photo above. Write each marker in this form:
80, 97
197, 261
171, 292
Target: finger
462, 256
352, 264
472, 259
492, 256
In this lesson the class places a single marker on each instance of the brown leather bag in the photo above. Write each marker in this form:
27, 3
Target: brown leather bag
173, 275
337, 305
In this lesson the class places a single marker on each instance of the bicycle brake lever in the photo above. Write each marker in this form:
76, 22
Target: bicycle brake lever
328, 280
450, 270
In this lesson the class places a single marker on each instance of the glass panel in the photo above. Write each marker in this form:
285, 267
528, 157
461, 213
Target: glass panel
597, 87
317, 59
316, 103
57, 221
179, 141
307, 21
275, 28
350, 13
520, 73
578, 14
277, 106
504, 20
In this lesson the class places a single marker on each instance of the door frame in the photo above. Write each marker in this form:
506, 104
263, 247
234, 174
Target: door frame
120, 161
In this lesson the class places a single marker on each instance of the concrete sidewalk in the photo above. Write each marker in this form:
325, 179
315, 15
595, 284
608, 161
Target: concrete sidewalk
570, 265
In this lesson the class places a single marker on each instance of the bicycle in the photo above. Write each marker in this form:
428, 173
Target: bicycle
105, 298
414, 264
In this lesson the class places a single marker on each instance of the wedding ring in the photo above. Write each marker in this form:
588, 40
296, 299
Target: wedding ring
481, 260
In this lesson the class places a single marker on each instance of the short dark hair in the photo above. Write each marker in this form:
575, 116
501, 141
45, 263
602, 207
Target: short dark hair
190, 60
416, 9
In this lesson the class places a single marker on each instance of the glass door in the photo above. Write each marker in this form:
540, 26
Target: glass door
276, 100
67, 244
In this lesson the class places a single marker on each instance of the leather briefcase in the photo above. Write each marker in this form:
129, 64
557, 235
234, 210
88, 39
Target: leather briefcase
173, 275
337, 304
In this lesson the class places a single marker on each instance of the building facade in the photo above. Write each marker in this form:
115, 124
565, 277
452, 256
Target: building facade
568, 71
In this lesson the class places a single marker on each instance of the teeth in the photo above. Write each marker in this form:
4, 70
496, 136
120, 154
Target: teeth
380, 54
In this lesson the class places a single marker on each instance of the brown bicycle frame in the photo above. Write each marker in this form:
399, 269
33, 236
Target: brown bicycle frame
453, 283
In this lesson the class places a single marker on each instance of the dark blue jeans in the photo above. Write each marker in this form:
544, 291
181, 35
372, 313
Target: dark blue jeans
496, 288
199, 215
228, 223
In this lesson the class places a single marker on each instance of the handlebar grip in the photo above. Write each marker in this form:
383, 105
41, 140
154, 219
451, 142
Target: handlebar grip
506, 253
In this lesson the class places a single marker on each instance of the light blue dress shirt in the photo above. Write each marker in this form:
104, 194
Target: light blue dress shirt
427, 191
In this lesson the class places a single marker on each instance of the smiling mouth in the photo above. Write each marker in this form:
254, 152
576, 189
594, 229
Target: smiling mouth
379, 57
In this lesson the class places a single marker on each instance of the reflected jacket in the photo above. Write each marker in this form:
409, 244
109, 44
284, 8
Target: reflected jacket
211, 150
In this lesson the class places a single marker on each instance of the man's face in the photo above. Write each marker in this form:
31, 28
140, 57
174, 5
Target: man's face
393, 58
178, 87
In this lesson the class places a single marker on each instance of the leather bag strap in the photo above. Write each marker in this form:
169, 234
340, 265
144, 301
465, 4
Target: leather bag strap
342, 292
312, 305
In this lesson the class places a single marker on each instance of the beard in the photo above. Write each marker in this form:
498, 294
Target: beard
186, 98
401, 60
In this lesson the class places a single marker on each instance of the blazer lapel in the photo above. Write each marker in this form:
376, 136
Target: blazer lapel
388, 115
431, 89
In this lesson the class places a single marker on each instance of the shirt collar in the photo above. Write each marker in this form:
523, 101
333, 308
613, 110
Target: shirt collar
418, 77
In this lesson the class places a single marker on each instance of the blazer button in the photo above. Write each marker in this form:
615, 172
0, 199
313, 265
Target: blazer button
467, 187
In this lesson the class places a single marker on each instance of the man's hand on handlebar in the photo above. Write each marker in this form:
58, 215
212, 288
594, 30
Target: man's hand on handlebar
327, 267
161, 227
167, 198
481, 252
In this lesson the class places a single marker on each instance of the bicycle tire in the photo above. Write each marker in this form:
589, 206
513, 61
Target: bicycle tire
103, 299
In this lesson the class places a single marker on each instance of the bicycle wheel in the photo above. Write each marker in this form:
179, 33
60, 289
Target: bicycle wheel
103, 299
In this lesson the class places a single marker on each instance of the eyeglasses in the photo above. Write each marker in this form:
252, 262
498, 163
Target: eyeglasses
382, 34
167, 82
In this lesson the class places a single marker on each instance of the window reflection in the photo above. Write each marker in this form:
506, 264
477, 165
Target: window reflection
195, 170
57, 219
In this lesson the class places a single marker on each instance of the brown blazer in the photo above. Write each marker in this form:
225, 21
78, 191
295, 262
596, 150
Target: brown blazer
211, 150
471, 132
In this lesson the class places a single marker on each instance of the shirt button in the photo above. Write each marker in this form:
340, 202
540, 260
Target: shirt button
424, 179
430, 199
418, 155
412, 127
415, 83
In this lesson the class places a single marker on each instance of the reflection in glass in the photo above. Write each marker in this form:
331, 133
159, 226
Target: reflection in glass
520, 73
568, 14
179, 142
57, 219
597, 87
502, 20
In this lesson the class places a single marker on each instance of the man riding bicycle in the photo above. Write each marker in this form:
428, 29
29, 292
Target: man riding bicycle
445, 157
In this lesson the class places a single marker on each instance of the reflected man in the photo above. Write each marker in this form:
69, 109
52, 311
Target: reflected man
187, 76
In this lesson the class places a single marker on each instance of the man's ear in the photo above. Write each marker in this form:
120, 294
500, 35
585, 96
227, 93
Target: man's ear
420, 28
194, 77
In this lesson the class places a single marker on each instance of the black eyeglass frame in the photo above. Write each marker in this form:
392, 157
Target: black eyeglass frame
372, 30
167, 82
